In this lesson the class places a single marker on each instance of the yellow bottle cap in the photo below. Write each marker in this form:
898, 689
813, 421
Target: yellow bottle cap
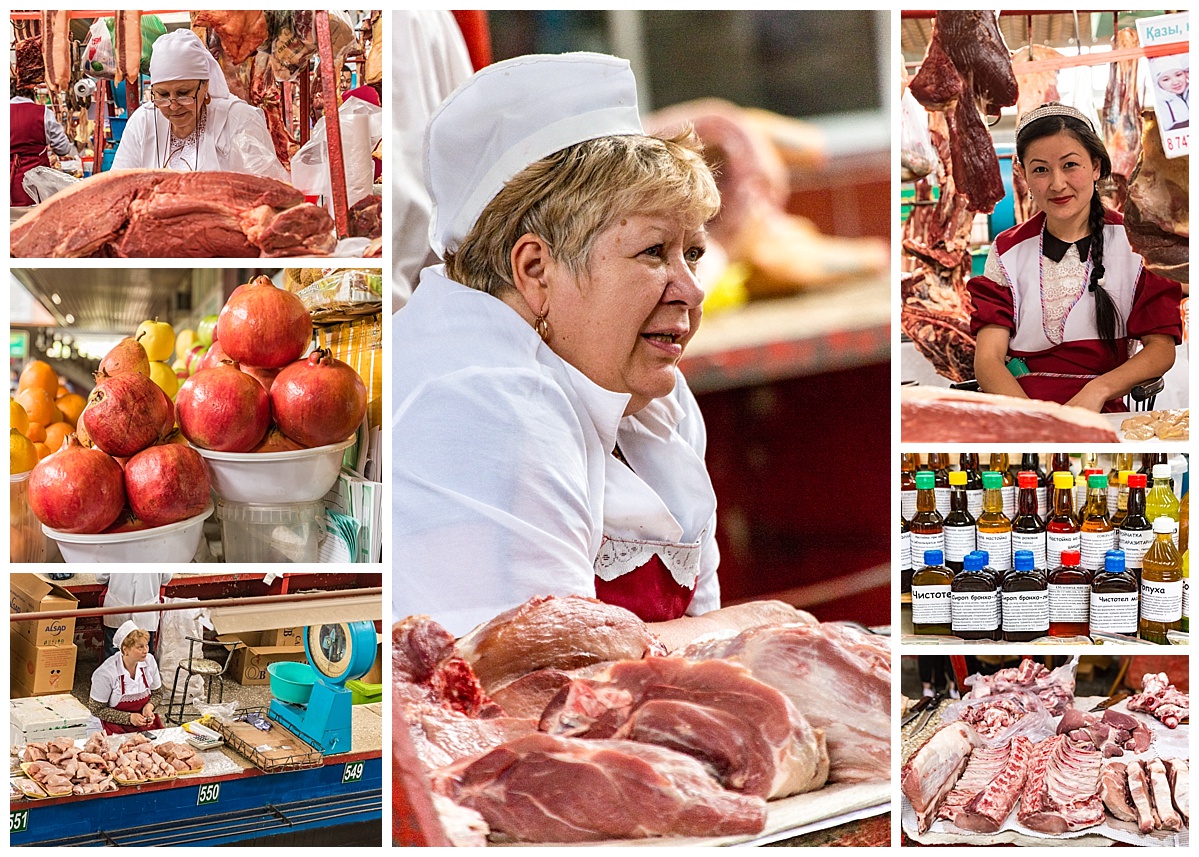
1061, 479
957, 477
1124, 474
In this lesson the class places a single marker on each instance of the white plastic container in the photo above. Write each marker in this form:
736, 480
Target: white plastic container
275, 532
176, 542
300, 476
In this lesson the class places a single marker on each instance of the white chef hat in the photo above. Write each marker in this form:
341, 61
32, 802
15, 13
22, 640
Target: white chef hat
122, 632
180, 55
511, 114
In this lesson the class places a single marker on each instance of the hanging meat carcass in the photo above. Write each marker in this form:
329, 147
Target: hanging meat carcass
241, 32
1120, 124
56, 48
1036, 87
31, 67
127, 44
1157, 213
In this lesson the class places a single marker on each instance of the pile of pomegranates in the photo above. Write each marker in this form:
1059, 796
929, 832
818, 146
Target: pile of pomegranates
254, 393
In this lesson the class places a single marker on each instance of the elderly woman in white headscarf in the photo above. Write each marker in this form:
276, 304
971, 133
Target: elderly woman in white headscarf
192, 121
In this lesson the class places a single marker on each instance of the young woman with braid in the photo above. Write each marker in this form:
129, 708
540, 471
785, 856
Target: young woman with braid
1063, 292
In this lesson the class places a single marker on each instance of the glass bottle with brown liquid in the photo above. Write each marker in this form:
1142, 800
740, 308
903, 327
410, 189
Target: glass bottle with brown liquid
931, 607
1025, 601
907, 484
968, 463
960, 527
974, 595
1089, 463
994, 527
905, 555
1098, 537
926, 525
1114, 598
1000, 465
1136, 530
1161, 585
1031, 462
1028, 530
1121, 461
1121, 502
1069, 597
1062, 529
938, 463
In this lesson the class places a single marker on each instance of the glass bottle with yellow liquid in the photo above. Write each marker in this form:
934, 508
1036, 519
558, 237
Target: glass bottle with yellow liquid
960, 527
994, 527
1161, 500
1121, 461
1062, 529
1096, 534
1120, 501
1161, 584
1001, 465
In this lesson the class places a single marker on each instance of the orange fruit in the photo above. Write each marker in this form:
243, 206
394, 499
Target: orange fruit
71, 405
22, 453
41, 375
62, 391
42, 450
39, 405
56, 433
17, 418
36, 433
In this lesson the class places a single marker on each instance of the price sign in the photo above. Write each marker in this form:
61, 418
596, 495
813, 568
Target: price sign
18, 822
352, 773
208, 793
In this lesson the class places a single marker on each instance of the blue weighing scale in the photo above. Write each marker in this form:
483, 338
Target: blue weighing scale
337, 654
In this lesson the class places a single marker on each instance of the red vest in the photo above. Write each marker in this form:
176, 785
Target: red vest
28, 149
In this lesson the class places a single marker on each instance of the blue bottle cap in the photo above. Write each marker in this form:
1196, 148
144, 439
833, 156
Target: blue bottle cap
1113, 561
986, 555
1024, 561
934, 557
973, 561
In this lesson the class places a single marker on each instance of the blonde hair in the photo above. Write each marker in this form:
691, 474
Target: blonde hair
570, 197
137, 635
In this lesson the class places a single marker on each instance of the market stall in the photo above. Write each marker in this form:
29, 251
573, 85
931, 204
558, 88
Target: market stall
268, 75
281, 742
1093, 752
1104, 539
251, 435
972, 80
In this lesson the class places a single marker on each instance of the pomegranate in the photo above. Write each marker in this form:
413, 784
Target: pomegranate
81, 432
127, 522
125, 414
126, 356
318, 400
214, 356
264, 326
223, 408
166, 483
276, 441
265, 377
77, 490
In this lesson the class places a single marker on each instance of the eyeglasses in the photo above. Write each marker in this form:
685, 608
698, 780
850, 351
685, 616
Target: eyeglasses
181, 100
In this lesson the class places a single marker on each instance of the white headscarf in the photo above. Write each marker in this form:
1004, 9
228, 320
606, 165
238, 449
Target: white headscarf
180, 55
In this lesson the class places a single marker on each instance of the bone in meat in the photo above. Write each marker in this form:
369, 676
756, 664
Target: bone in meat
241, 32
1180, 787
1061, 792
1159, 790
1113, 790
1157, 213
933, 770
1138, 790
985, 764
1119, 122
987, 810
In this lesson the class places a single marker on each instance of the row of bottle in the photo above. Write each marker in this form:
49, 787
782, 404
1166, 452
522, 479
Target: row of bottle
1093, 531
938, 463
982, 603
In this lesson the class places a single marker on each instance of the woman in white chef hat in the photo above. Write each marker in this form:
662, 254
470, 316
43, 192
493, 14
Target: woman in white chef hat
544, 441
126, 687
1173, 79
192, 122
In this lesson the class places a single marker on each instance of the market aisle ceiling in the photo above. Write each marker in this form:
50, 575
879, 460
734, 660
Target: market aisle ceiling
106, 300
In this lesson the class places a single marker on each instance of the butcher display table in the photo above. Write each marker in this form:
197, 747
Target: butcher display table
222, 809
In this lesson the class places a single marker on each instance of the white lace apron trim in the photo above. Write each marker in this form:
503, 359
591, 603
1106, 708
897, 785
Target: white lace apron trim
618, 557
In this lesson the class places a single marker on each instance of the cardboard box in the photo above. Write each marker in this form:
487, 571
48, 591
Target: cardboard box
28, 593
375, 676
249, 663
291, 638
41, 669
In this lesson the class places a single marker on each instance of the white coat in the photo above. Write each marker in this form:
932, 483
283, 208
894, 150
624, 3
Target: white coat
504, 482
111, 684
129, 588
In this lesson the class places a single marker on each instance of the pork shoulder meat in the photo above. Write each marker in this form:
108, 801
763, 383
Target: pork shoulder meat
164, 213
930, 415
746, 734
543, 788
836, 676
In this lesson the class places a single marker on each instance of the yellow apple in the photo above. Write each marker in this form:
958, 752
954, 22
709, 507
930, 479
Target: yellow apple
184, 340
164, 376
158, 338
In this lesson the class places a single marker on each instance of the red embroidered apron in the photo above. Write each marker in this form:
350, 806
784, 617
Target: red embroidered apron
27, 124
655, 580
134, 705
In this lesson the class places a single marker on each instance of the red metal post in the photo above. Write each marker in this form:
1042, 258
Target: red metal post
101, 113
337, 164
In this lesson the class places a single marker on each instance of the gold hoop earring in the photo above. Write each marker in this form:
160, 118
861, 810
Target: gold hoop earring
542, 326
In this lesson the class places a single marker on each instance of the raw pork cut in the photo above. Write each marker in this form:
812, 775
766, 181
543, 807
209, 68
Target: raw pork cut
530, 694
1180, 786
1113, 733
984, 765
164, 213
933, 415
1138, 790
1159, 790
746, 734
1157, 213
542, 788
933, 770
1113, 790
1055, 688
561, 633
56, 48
441, 736
1061, 792
127, 44
837, 676
1161, 699
986, 811
426, 667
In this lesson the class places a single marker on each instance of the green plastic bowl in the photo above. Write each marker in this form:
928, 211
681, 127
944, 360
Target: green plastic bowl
291, 682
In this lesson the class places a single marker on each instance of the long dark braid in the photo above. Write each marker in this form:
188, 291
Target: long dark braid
1106, 313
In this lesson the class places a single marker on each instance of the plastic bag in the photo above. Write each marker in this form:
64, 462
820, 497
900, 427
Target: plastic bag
1022, 711
41, 183
225, 712
98, 59
250, 154
174, 628
1055, 688
918, 155
361, 131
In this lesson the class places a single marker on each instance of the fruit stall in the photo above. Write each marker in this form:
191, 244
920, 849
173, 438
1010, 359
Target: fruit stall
279, 744
237, 421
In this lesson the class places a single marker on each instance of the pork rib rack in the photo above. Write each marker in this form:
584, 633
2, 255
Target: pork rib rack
164, 213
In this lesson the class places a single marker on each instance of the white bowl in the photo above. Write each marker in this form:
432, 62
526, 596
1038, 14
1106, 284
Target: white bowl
297, 476
175, 542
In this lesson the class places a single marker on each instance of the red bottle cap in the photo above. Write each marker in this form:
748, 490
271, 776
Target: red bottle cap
1138, 480
1026, 479
1071, 558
